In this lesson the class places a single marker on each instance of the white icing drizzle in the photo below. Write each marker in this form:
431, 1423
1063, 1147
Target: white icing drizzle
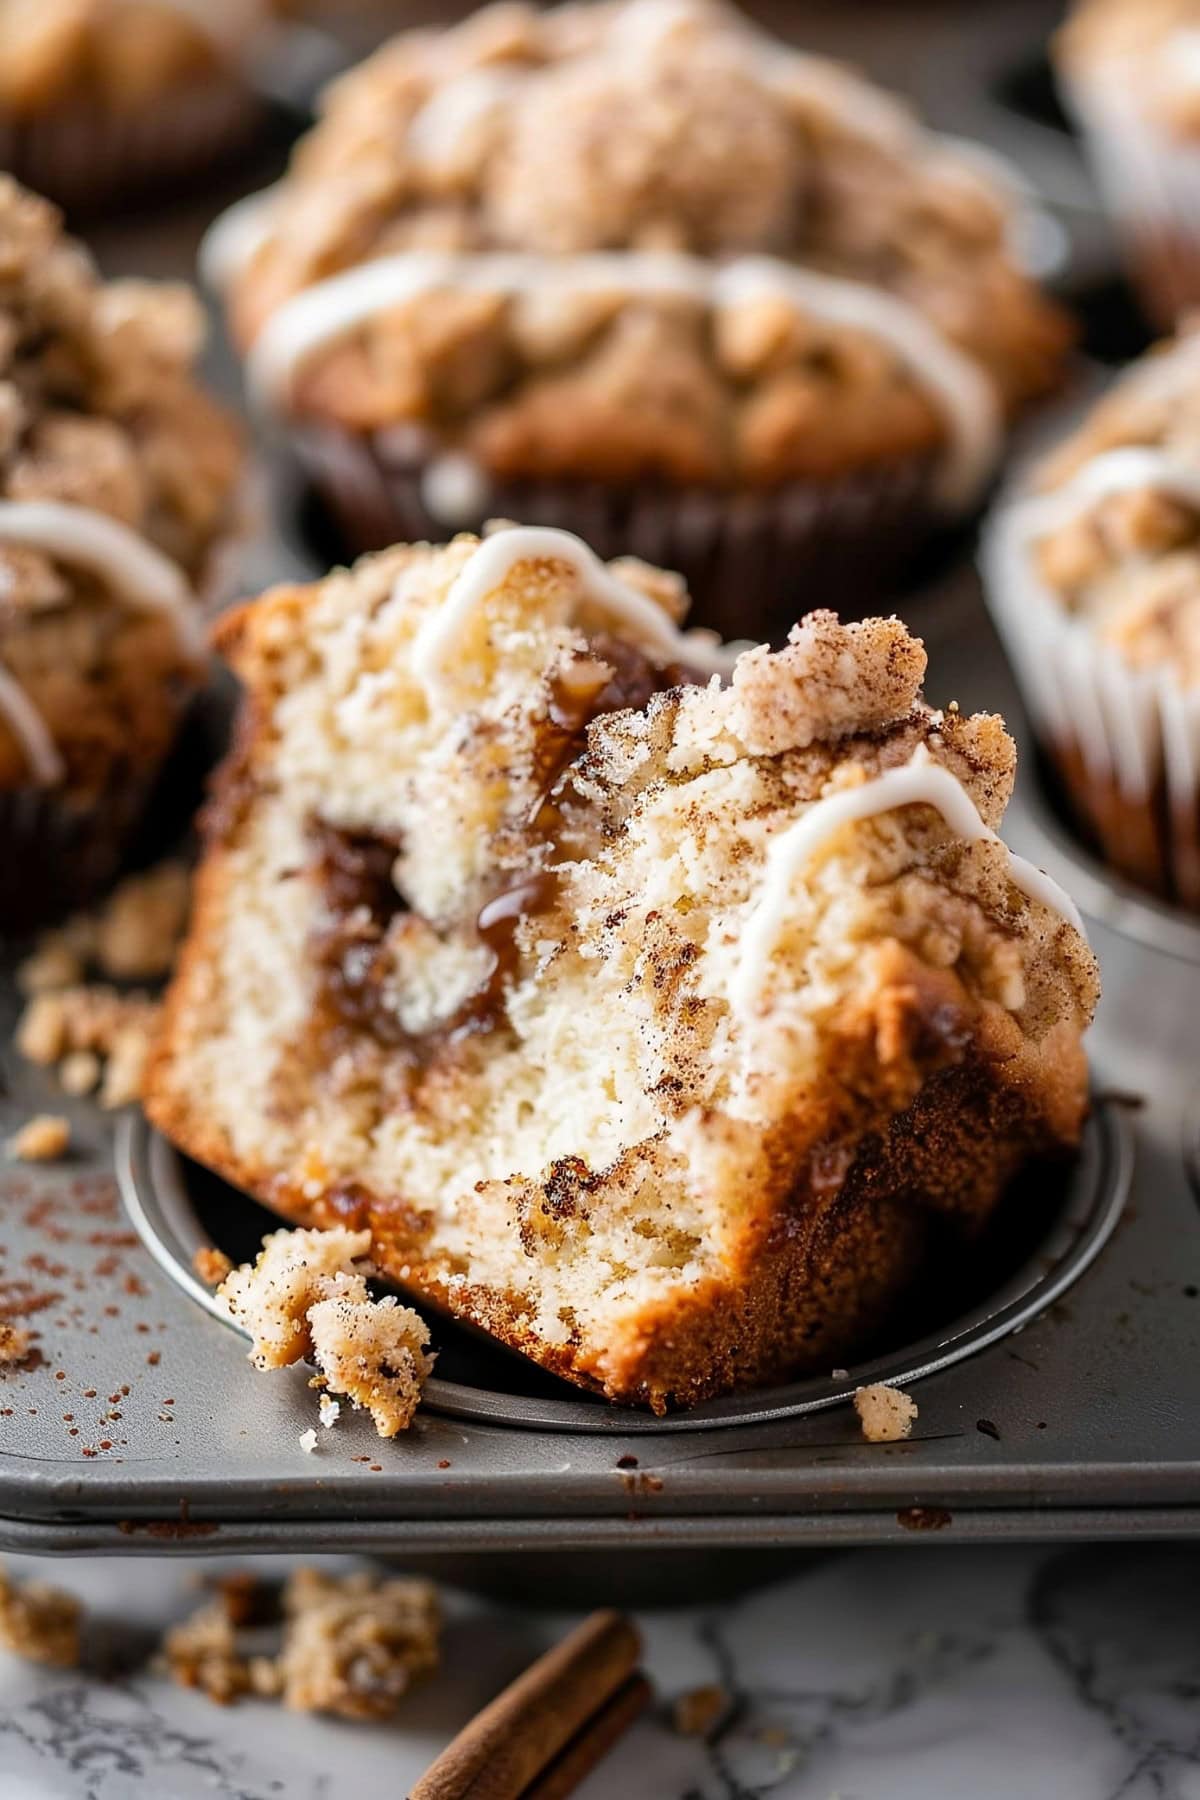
138, 574
920, 782
330, 309
236, 235
30, 730
439, 637
437, 129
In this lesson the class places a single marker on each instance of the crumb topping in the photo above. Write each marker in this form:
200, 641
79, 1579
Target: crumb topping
120, 52
729, 145
1147, 51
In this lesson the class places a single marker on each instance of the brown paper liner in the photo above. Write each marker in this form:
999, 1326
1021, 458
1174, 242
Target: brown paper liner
753, 561
89, 158
56, 855
1155, 844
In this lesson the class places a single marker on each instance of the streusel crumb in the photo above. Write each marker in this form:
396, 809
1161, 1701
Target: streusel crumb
211, 1265
202, 1652
15, 1344
42, 1139
886, 1413
695, 1713
39, 1622
271, 1297
353, 1644
375, 1353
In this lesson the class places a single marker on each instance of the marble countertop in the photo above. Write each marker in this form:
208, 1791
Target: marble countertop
923, 1674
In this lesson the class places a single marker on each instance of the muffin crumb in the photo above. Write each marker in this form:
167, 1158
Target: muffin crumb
695, 1713
202, 1652
374, 1353
270, 1298
115, 1028
211, 1265
44, 1138
353, 1644
15, 1344
886, 1413
39, 1622
308, 1441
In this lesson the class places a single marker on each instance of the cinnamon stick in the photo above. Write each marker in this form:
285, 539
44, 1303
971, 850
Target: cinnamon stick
595, 1740
519, 1734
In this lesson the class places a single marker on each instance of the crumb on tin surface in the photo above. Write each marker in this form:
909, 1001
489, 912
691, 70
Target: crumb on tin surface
44, 1138
886, 1413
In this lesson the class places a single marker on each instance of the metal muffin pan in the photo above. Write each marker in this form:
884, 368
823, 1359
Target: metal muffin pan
1057, 1395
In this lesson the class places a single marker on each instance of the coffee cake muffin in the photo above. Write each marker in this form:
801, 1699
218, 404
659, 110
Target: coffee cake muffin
654, 1025
117, 483
634, 269
1093, 574
1129, 71
102, 101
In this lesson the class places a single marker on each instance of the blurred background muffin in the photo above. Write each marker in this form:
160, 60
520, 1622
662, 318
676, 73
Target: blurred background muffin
117, 488
1129, 71
103, 102
1093, 576
637, 270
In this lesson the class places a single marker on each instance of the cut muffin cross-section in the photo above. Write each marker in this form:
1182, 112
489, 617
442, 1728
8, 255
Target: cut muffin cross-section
650, 1020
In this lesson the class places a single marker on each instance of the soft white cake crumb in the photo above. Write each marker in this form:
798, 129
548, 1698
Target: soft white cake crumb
329, 1411
308, 1441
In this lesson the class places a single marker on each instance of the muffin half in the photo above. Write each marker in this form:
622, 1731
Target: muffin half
117, 486
636, 270
655, 1025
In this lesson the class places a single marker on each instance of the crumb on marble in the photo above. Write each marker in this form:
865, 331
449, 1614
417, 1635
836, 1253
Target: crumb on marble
39, 1622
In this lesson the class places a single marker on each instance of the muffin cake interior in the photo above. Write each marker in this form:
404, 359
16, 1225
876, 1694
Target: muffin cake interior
647, 1020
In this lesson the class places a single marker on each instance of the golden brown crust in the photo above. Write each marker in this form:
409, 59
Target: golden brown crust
120, 53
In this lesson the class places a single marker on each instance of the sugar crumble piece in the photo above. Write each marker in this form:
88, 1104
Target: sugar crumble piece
695, 1713
80, 1072
308, 1441
886, 1413
202, 1652
39, 1622
211, 1265
374, 1352
15, 1344
53, 964
354, 1644
44, 1138
270, 1298
137, 932
328, 1411
116, 1029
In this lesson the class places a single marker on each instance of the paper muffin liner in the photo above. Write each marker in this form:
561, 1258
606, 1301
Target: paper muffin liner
753, 561
89, 158
1125, 741
1150, 183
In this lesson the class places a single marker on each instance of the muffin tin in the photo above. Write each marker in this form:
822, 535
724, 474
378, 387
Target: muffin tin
1056, 1389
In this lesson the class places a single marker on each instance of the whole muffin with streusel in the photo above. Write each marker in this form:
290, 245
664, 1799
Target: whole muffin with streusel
1093, 574
1130, 74
634, 268
102, 101
117, 489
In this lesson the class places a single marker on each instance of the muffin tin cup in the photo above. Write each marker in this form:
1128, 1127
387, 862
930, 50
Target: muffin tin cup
90, 158
1150, 182
753, 561
1125, 741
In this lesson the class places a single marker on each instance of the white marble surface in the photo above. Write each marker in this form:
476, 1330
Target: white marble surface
923, 1674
